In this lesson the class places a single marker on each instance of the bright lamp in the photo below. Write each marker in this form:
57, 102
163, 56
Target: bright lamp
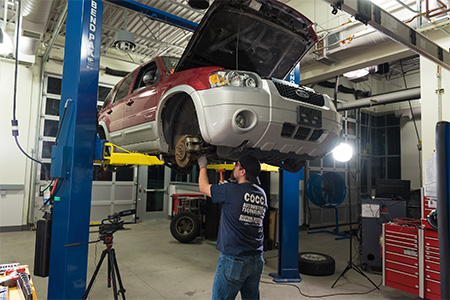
343, 152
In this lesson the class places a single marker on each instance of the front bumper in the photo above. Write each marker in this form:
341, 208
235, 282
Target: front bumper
274, 125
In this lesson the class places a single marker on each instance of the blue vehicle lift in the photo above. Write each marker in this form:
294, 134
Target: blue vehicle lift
73, 154
443, 202
289, 216
288, 227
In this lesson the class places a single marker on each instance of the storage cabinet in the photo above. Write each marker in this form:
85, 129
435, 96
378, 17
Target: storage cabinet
411, 260
432, 286
401, 263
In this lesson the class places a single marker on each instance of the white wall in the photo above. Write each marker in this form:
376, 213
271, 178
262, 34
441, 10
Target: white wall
13, 164
429, 98
409, 151
15, 169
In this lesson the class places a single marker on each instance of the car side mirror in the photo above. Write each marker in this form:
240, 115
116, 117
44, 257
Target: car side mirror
149, 78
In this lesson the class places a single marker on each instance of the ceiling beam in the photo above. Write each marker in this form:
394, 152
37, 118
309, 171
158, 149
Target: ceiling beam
154, 13
371, 14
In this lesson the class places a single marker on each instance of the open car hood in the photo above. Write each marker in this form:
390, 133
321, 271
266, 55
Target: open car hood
261, 36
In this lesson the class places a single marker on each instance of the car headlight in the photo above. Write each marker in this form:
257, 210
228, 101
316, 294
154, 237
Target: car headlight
234, 78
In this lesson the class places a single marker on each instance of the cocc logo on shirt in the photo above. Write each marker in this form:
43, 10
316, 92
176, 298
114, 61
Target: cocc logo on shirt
252, 198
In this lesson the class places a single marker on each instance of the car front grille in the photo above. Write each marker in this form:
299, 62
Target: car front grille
300, 133
298, 93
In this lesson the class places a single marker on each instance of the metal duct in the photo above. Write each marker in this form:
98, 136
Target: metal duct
407, 114
365, 38
369, 39
404, 95
35, 14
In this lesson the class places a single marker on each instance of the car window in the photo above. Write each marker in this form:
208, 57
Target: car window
122, 92
148, 75
170, 63
107, 98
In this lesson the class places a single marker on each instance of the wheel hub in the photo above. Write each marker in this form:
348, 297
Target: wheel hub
314, 257
185, 149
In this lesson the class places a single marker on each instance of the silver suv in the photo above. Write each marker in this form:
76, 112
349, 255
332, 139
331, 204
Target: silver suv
225, 97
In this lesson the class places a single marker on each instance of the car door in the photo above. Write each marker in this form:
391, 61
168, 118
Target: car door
117, 110
141, 106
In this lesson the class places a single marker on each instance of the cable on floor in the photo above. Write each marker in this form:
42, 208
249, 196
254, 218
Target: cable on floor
322, 296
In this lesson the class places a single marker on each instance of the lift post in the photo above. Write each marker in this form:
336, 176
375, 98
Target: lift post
288, 229
73, 154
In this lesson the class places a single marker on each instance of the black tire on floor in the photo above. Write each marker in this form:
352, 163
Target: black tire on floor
185, 227
316, 264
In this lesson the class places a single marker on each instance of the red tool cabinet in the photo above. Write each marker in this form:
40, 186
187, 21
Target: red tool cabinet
432, 285
411, 257
401, 262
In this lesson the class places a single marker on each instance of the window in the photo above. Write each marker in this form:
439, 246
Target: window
54, 85
124, 88
50, 119
380, 150
107, 98
52, 107
170, 63
148, 75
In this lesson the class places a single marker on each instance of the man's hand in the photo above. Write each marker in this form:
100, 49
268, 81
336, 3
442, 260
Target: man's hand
202, 161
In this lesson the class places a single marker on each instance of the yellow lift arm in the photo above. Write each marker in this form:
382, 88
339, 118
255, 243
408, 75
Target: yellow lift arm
117, 156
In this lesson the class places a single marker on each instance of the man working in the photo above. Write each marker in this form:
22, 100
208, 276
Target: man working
240, 238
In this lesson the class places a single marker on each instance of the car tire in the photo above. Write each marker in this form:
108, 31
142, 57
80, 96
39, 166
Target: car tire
316, 264
185, 227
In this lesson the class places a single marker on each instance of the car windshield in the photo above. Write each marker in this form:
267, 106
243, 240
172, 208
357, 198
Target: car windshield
170, 63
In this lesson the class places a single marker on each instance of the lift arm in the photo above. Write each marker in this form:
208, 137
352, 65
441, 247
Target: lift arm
110, 154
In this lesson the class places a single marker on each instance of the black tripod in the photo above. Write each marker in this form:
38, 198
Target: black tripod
351, 264
113, 270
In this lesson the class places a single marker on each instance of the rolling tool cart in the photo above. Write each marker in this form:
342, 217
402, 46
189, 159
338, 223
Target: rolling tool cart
188, 216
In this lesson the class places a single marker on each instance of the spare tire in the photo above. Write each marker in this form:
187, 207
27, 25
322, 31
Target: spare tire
185, 226
316, 264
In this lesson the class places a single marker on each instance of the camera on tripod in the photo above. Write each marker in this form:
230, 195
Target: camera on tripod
106, 229
111, 224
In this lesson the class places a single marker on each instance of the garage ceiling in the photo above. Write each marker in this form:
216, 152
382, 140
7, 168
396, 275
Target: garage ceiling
152, 37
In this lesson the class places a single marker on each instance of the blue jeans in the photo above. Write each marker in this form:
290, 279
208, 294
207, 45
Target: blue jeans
234, 274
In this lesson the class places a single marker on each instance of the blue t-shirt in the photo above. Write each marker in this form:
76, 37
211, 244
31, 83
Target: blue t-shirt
241, 222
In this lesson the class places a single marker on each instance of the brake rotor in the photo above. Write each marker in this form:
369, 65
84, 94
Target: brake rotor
182, 155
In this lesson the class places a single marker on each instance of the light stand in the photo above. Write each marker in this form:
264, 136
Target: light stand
351, 264
344, 153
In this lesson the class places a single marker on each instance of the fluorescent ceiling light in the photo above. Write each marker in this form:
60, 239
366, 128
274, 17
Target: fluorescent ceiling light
357, 73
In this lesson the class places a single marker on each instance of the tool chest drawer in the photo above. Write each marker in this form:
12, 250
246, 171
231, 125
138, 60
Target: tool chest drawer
404, 259
431, 265
432, 286
433, 275
399, 230
401, 248
399, 280
402, 267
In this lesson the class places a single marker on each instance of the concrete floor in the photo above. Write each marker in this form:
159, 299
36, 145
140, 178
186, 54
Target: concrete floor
153, 265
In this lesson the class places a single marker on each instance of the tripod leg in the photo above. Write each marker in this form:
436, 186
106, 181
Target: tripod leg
342, 274
119, 279
110, 265
91, 282
357, 269
109, 268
